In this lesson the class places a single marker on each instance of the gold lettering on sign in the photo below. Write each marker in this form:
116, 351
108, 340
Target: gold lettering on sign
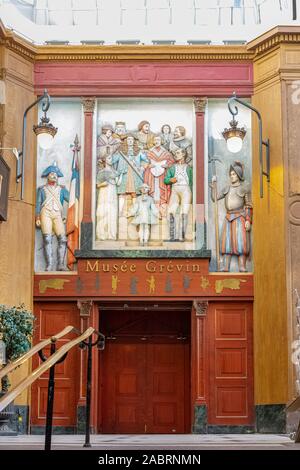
57, 284
234, 284
151, 266
90, 268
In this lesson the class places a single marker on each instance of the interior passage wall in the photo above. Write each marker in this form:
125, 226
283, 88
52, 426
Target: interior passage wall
16, 234
270, 306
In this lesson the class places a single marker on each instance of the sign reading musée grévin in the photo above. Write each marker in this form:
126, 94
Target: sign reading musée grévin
156, 277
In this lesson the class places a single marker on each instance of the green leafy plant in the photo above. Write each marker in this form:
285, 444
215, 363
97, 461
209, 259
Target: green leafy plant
16, 326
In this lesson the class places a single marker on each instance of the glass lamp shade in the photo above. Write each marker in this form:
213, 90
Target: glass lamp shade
45, 140
234, 144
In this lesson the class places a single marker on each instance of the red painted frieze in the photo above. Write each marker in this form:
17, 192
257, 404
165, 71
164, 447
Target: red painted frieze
143, 278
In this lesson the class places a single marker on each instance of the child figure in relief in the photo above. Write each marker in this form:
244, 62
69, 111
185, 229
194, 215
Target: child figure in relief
145, 214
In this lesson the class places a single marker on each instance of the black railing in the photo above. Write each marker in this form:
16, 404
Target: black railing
89, 344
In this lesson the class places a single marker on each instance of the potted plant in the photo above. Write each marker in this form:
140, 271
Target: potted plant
16, 329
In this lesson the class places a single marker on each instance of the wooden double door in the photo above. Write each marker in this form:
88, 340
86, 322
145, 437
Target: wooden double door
146, 384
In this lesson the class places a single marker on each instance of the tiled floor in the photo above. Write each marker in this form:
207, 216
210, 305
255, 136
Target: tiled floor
144, 442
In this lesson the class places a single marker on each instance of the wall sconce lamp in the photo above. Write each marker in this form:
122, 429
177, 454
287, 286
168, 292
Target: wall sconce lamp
44, 131
235, 135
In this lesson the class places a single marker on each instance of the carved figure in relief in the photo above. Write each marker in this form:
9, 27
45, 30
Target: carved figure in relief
120, 131
152, 285
107, 201
107, 144
181, 141
180, 177
145, 214
129, 162
49, 215
166, 136
160, 159
145, 136
235, 236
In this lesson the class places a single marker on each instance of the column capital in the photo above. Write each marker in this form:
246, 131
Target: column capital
85, 308
200, 308
88, 104
200, 104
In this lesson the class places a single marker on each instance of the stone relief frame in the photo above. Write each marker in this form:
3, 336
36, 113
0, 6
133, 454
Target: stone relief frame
133, 112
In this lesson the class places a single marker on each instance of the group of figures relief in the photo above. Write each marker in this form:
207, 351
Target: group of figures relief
143, 177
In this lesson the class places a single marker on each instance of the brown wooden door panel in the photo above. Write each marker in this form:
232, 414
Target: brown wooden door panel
124, 388
145, 371
144, 388
231, 363
51, 318
165, 388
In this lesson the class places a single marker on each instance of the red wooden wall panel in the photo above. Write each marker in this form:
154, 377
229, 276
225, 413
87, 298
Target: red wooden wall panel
230, 364
52, 318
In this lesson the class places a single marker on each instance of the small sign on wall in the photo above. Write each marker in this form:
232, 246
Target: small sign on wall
4, 185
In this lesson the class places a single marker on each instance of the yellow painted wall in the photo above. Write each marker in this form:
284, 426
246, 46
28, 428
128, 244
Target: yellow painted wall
16, 235
270, 315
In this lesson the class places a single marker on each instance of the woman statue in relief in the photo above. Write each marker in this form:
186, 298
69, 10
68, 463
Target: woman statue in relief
107, 201
166, 136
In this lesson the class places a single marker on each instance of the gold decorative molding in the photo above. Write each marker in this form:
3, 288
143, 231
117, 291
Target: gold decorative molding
88, 104
56, 284
104, 54
274, 38
200, 105
200, 308
233, 284
85, 307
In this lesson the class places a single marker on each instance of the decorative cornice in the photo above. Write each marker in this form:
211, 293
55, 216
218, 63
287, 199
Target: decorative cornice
116, 53
200, 105
88, 104
200, 308
85, 308
274, 38
106, 54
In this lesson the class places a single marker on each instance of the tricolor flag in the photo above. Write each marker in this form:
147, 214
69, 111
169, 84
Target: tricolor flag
72, 227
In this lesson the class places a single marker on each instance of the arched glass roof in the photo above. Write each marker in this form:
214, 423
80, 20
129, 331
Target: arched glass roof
179, 21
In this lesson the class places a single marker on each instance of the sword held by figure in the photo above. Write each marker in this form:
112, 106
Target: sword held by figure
132, 165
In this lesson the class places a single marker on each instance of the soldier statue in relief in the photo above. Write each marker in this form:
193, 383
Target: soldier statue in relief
49, 216
235, 235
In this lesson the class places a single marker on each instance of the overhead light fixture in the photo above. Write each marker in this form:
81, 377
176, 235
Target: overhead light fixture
158, 42
234, 42
91, 42
199, 42
57, 42
44, 131
128, 42
234, 137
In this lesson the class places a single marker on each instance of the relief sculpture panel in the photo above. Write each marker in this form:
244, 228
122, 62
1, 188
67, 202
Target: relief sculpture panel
144, 175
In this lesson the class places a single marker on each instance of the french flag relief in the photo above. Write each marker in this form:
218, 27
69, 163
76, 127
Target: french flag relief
72, 226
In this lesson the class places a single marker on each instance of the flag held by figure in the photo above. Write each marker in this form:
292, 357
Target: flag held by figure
72, 227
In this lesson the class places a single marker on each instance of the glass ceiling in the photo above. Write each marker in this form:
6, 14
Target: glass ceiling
145, 21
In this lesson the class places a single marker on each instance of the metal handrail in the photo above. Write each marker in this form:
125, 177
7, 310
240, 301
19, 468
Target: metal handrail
52, 360
18, 362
